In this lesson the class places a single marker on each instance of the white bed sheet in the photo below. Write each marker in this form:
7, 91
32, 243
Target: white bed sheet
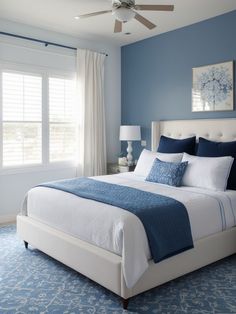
120, 231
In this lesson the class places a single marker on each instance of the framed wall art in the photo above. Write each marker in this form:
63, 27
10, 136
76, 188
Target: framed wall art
213, 87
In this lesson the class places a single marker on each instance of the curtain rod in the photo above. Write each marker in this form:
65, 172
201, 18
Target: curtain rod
46, 43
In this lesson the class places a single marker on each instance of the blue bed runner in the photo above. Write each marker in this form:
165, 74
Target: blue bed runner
165, 219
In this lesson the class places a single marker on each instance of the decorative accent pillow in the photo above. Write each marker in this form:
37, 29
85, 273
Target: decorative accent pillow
208, 148
170, 173
172, 145
207, 172
147, 158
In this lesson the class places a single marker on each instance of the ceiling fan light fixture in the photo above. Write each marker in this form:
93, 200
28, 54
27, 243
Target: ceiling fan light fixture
124, 14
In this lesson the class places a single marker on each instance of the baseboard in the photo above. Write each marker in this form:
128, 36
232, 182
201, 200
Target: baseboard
5, 219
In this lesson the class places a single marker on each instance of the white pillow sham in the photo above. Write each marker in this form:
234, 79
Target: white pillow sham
207, 172
147, 158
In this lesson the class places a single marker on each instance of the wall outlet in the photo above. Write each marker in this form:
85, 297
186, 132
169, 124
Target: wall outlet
143, 143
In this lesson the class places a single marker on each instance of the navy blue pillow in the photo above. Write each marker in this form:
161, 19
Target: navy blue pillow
208, 148
172, 145
170, 173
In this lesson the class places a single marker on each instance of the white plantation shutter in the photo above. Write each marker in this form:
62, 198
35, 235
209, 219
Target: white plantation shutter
38, 118
63, 118
21, 119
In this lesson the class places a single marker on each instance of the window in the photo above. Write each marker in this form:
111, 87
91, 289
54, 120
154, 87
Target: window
21, 119
62, 122
38, 118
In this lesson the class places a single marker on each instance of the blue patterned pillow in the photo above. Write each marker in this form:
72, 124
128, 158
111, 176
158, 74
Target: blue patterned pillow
170, 173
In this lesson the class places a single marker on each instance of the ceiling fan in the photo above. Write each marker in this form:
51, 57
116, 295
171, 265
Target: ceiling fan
125, 10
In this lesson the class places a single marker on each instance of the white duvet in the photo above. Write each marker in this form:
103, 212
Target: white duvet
120, 231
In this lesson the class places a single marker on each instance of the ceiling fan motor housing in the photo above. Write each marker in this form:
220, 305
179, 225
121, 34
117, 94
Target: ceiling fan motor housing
123, 3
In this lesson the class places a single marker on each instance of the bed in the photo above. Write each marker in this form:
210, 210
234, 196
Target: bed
111, 264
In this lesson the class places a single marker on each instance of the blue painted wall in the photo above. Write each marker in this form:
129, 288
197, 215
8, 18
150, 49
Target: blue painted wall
157, 72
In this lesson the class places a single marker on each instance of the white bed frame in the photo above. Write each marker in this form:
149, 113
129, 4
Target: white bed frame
105, 267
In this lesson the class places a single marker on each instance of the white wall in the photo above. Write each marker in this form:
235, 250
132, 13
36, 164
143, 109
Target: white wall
13, 187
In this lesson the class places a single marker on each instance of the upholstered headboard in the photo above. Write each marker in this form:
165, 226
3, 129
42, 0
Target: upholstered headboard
221, 130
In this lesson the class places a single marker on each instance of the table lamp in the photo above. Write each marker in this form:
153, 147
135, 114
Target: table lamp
130, 133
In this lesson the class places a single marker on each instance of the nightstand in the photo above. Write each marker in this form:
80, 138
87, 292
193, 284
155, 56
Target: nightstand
126, 168
113, 168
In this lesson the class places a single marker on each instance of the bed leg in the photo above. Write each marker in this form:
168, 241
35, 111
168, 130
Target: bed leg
125, 303
26, 244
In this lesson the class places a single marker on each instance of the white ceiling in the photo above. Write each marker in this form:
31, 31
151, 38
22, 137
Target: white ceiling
58, 15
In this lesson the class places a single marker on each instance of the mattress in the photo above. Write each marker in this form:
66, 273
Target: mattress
120, 231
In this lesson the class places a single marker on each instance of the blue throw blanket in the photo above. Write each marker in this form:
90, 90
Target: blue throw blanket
165, 220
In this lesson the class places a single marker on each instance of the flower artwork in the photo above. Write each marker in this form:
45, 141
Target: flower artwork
213, 87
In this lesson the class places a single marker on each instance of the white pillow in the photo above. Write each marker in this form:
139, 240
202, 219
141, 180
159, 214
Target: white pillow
147, 158
207, 172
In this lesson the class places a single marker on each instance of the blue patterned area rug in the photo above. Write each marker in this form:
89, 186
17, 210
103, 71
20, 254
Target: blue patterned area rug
32, 282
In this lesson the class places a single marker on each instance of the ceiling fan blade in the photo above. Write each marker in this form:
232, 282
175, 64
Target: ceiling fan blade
154, 7
93, 14
118, 27
144, 21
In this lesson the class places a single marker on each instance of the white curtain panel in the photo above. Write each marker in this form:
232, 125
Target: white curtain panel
92, 134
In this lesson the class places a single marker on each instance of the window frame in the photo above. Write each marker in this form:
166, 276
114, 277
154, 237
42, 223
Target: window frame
45, 73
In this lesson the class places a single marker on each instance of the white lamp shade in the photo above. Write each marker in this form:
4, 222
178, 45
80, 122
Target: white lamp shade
130, 133
124, 14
